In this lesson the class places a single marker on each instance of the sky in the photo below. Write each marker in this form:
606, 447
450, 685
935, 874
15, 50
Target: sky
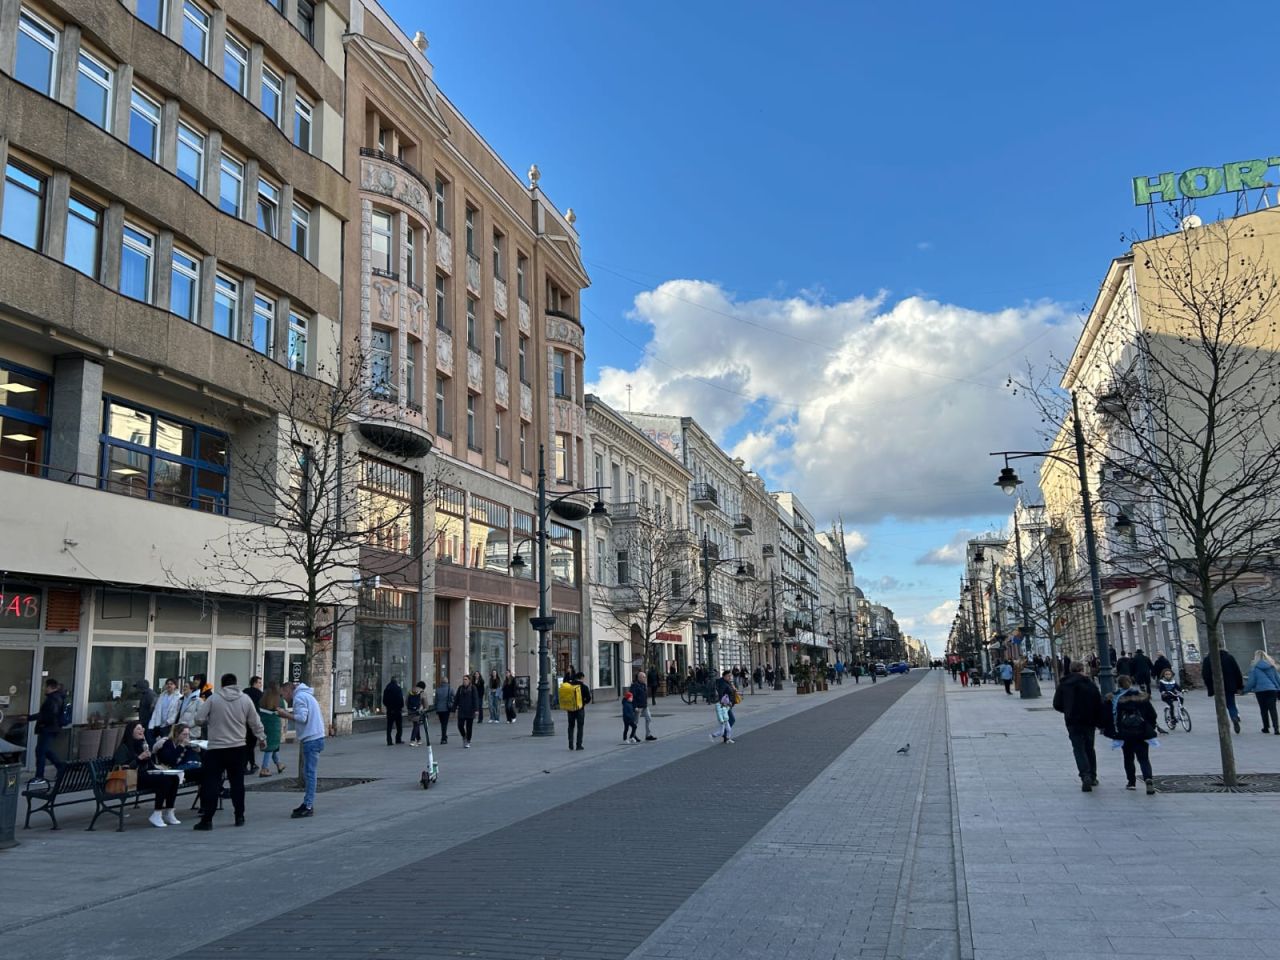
831, 232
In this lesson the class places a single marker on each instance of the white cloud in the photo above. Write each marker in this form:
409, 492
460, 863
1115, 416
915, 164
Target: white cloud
942, 614
863, 408
855, 542
950, 553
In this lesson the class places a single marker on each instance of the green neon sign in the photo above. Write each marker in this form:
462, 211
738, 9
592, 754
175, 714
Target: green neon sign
1204, 181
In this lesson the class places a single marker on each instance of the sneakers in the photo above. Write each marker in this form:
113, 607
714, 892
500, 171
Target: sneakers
1151, 789
302, 811
170, 819
1235, 722
649, 736
713, 737
729, 740
203, 825
1086, 787
467, 745
1094, 782
239, 819
279, 768
157, 819
1131, 786
37, 783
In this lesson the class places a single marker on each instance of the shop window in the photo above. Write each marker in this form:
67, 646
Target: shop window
488, 641
20, 605
566, 640
489, 535
157, 457
113, 671
382, 651
440, 641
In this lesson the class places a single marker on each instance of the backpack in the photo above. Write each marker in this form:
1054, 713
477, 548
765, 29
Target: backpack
64, 715
1130, 723
586, 693
570, 696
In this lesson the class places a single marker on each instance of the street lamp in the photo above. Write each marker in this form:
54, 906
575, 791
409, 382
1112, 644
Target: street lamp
1009, 481
1030, 685
566, 509
707, 566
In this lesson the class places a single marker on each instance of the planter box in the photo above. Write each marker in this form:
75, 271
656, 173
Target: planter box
802, 688
88, 743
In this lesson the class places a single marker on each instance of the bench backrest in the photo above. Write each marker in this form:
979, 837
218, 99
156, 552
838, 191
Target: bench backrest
74, 776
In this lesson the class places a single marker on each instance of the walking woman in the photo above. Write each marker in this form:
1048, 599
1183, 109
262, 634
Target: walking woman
271, 726
467, 702
1264, 684
444, 706
509, 696
495, 694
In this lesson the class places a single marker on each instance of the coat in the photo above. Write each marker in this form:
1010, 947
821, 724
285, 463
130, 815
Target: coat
393, 698
1262, 678
1141, 667
1130, 697
1079, 701
1230, 670
444, 699
466, 701
270, 728
639, 694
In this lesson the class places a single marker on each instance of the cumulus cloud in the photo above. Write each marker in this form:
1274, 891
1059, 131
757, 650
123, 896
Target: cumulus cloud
864, 407
855, 542
950, 553
942, 614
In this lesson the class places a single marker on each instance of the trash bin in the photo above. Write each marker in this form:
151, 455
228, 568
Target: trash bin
9, 773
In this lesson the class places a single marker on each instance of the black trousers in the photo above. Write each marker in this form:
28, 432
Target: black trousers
164, 786
1082, 746
228, 762
1007, 685
1140, 750
395, 719
464, 727
1267, 707
576, 718
511, 708
444, 726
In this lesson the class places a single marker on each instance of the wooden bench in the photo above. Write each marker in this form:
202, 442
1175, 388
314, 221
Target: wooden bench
74, 778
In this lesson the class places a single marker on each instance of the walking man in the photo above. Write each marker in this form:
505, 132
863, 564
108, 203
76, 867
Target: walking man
1080, 704
640, 700
48, 726
393, 704
1142, 668
573, 694
1233, 682
228, 716
466, 700
254, 693
308, 721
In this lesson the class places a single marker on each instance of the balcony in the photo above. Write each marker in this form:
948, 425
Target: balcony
397, 162
705, 495
627, 510
743, 525
712, 549
767, 551
750, 569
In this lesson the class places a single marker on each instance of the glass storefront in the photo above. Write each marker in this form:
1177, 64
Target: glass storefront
382, 651
487, 646
566, 641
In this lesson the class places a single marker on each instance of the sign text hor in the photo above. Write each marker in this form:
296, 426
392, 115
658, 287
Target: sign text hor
1204, 181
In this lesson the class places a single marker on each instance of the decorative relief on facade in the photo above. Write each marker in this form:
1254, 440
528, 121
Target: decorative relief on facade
475, 371
524, 317
500, 296
526, 402
444, 352
379, 177
564, 332
568, 417
384, 292
444, 251
502, 387
417, 316
473, 274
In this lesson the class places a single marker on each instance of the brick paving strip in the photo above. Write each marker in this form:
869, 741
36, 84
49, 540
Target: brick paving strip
591, 878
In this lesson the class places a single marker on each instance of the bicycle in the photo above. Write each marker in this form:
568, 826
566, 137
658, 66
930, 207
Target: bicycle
1173, 717
693, 690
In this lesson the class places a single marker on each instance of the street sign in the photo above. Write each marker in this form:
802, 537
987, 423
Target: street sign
295, 629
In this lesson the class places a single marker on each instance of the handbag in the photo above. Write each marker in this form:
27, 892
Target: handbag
120, 781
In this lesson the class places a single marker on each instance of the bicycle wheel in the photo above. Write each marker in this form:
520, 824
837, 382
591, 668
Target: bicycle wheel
689, 694
1186, 718
1170, 721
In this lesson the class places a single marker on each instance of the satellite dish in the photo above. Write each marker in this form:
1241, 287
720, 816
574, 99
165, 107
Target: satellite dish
1190, 222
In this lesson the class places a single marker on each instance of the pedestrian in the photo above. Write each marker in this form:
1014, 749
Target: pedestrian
495, 695
840, 672
1080, 704
134, 752
48, 726
228, 716
268, 704
1264, 684
1161, 665
768, 675
510, 696
1095, 667
1142, 671
308, 724
724, 721
393, 705
1233, 682
1124, 664
574, 706
467, 703
444, 707
639, 692
254, 692
190, 703
146, 701
165, 713
1129, 720
758, 676
725, 687
629, 719
1006, 677
417, 707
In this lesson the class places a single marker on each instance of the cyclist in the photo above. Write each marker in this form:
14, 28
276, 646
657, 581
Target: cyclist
1170, 693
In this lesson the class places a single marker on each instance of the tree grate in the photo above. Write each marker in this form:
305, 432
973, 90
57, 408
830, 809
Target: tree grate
1212, 783
287, 783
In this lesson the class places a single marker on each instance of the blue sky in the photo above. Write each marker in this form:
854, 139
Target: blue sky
848, 223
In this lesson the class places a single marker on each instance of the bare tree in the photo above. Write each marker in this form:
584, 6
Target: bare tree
1184, 379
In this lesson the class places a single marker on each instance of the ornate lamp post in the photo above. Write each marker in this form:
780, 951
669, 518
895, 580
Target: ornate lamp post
707, 566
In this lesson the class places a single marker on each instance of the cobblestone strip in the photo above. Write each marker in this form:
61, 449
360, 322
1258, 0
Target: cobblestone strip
591, 878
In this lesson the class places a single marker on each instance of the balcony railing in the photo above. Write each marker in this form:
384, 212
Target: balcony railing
713, 550
705, 495
715, 611
397, 162
742, 524
626, 510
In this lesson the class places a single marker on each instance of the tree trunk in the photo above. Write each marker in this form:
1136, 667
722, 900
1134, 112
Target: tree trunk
1225, 746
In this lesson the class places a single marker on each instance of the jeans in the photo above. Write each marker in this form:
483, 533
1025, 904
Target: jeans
1082, 746
44, 751
510, 706
576, 719
644, 712
1232, 710
1267, 707
224, 761
395, 719
415, 735
1140, 749
269, 757
311, 750
494, 697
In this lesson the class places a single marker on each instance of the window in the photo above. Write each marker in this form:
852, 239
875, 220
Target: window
94, 81
300, 234
84, 236
268, 208
184, 286
272, 87
598, 464
522, 347
380, 364
137, 253
442, 303
631, 487
524, 448
302, 124
235, 64
411, 373
561, 381
144, 125
380, 252
231, 188
190, 157
152, 13
473, 439
24, 419
410, 266
23, 219
37, 53
522, 277
195, 31
562, 457
644, 493
441, 419
471, 230
299, 502
157, 457
442, 210
264, 322
624, 567
472, 342
499, 328
600, 562
497, 254
297, 342
226, 307
306, 20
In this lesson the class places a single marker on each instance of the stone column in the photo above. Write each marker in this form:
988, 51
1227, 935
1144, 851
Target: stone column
55, 214
124, 99
74, 429
67, 65
163, 267
169, 134
112, 233
212, 165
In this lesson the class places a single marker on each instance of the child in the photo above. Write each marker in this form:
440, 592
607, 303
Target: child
722, 718
417, 707
1170, 692
1131, 724
629, 719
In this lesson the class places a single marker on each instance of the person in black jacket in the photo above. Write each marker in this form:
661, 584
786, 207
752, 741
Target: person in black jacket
1142, 667
146, 701
1128, 716
1080, 704
510, 696
393, 704
466, 701
135, 752
640, 700
1234, 682
48, 726
1160, 666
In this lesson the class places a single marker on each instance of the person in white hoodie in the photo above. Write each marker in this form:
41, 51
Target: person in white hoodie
309, 723
165, 713
229, 716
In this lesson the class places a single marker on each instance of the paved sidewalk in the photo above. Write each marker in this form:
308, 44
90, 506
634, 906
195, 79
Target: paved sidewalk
1056, 874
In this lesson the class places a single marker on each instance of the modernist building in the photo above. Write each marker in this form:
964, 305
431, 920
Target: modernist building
170, 264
